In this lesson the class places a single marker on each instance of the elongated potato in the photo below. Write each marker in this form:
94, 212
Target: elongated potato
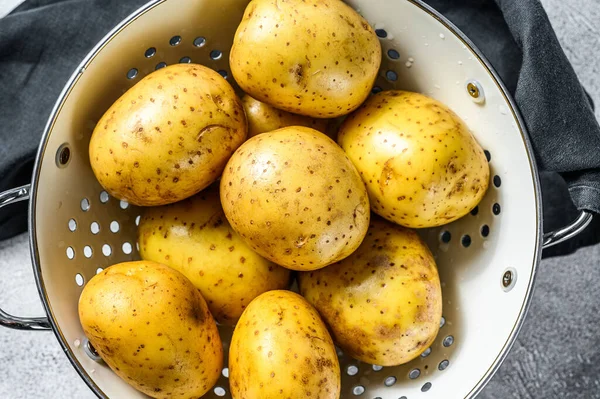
281, 349
317, 58
194, 237
421, 164
167, 137
382, 304
153, 329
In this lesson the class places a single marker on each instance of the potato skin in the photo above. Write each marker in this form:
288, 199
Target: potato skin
295, 198
263, 118
153, 329
421, 164
382, 304
195, 238
311, 57
167, 137
281, 349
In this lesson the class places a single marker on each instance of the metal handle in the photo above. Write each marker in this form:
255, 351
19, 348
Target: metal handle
6, 320
567, 232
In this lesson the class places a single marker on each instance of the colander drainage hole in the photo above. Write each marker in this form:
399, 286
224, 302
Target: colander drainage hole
137, 220
391, 76
132, 73
382, 33
376, 90
496, 209
393, 54
426, 353
488, 156
124, 204
85, 205
443, 365
219, 391
426, 387
225, 372
358, 390
79, 280
403, 397
475, 211
445, 237
448, 341
99, 270
485, 230
127, 248
150, 52
414, 374
106, 250
216, 55
87, 251
72, 225
466, 241
95, 228
185, 60
70, 253
389, 381
377, 368
497, 181
104, 197
114, 226
442, 321
175, 40
160, 65
223, 73
352, 370
199, 41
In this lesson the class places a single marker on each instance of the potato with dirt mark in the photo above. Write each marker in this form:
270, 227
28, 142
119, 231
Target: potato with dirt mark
153, 329
263, 118
382, 304
421, 164
194, 237
295, 198
167, 137
317, 58
281, 349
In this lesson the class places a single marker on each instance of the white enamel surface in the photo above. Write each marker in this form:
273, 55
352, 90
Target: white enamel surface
479, 314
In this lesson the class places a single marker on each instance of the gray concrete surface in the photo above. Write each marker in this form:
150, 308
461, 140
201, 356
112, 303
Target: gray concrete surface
32, 364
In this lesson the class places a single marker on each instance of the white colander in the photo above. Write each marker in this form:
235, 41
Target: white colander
487, 260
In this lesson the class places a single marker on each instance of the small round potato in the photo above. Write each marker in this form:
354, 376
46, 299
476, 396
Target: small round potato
383, 304
195, 238
153, 329
317, 58
281, 349
295, 198
167, 137
421, 164
263, 118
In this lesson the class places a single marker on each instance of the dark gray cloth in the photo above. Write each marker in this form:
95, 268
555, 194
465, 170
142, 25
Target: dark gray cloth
42, 42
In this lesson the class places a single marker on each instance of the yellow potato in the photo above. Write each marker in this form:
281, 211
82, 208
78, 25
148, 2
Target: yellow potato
311, 57
421, 164
263, 118
281, 349
153, 329
295, 198
195, 238
383, 304
167, 137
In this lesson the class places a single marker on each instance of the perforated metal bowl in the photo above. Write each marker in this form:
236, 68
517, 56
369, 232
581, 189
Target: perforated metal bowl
487, 260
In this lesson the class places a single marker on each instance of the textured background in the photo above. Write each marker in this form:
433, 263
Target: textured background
557, 356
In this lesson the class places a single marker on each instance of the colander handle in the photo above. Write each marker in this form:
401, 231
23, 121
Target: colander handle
567, 232
6, 320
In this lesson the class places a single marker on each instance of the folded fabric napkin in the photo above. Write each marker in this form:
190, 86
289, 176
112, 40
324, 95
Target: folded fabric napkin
43, 41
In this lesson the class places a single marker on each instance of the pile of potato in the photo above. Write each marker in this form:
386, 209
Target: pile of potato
244, 196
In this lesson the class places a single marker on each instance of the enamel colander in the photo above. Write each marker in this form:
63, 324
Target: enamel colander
487, 260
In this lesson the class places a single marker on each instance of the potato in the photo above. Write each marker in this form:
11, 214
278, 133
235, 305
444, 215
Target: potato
167, 137
422, 166
281, 349
382, 304
311, 57
263, 118
295, 198
153, 329
195, 238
